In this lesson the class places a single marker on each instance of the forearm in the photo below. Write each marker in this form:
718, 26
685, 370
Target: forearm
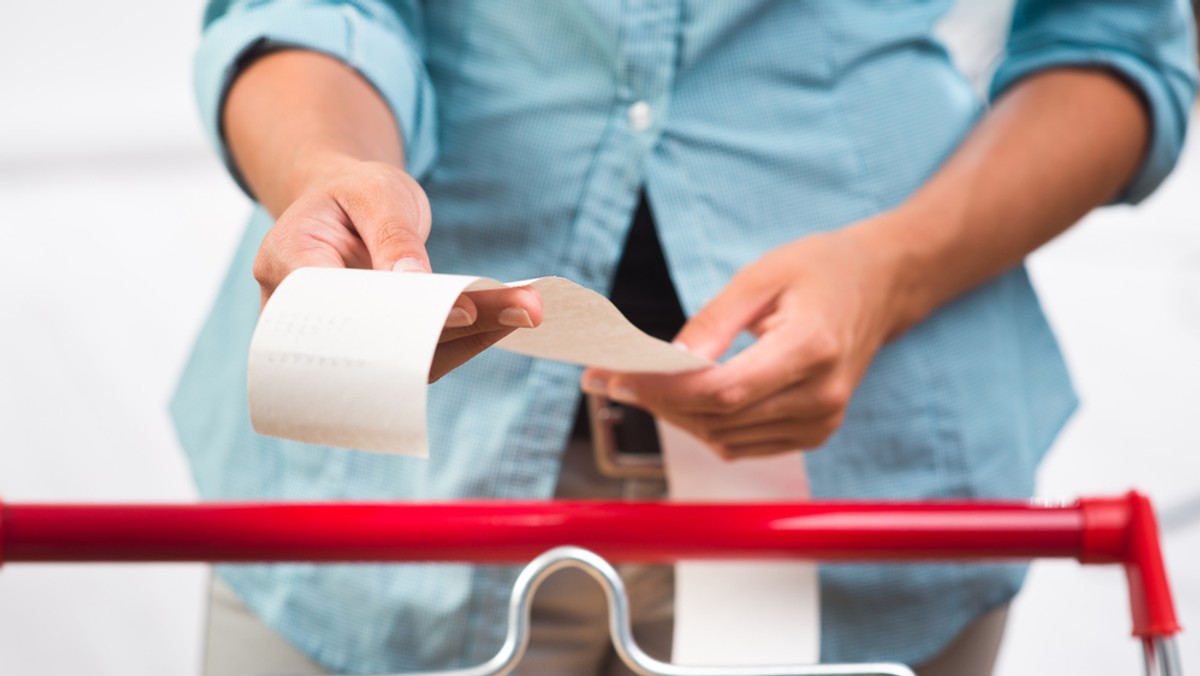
320, 149
1055, 146
294, 113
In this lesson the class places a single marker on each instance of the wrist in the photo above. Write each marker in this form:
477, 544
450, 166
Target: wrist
294, 174
311, 167
901, 256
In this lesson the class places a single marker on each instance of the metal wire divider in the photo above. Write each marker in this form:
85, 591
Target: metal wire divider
517, 638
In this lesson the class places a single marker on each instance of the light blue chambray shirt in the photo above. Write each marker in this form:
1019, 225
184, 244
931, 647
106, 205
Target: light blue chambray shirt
768, 121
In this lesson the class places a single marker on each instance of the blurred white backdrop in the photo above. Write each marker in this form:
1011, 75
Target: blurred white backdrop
117, 222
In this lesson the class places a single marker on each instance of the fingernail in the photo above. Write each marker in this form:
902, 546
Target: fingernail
624, 394
458, 318
408, 265
595, 385
516, 317
680, 345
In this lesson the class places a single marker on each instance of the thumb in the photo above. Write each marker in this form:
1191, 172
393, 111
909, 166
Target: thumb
393, 221
398, 249
711, 330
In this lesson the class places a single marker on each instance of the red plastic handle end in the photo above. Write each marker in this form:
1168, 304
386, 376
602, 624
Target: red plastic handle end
1125, 530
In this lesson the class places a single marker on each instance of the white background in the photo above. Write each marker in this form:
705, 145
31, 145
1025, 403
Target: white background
116, 222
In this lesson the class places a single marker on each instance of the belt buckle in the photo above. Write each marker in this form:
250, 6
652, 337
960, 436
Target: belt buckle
605, 416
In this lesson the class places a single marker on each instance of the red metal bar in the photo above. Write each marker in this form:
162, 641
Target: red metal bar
517, 532
1094, 530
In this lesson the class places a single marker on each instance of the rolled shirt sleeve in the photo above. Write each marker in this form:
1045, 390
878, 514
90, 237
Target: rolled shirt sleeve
1148, 43
381, 41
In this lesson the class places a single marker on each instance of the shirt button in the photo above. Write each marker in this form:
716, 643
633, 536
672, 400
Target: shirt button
641, 116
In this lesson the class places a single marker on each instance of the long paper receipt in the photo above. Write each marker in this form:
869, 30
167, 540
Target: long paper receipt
342, 357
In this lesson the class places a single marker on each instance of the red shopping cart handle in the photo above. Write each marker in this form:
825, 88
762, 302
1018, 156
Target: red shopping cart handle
1091, 530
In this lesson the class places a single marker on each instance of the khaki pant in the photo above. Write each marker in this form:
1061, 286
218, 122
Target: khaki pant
569, 628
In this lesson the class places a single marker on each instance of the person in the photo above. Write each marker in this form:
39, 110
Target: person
812, 185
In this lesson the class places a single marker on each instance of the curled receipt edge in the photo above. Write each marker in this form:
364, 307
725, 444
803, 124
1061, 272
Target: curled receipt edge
341, 358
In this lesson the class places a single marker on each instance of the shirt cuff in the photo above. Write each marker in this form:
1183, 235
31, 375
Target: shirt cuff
1168, 114
381, 52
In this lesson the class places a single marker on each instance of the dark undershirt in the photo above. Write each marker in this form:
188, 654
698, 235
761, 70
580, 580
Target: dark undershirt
642, 290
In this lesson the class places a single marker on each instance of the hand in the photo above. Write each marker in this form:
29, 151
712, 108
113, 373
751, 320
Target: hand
373, 215
352, 214
820, 307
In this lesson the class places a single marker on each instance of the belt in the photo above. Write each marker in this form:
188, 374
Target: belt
624, 439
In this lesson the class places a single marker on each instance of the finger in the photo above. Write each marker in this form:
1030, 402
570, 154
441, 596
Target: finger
497, 309
711, 330
594, 380
735, 453
391, 214
717, 390
806, 400
452, 354
462, 314
779, 359
282, 253
799, 433
694, 392
785, 356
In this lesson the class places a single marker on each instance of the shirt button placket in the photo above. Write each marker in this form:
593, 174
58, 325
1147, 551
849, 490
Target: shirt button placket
641, 116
